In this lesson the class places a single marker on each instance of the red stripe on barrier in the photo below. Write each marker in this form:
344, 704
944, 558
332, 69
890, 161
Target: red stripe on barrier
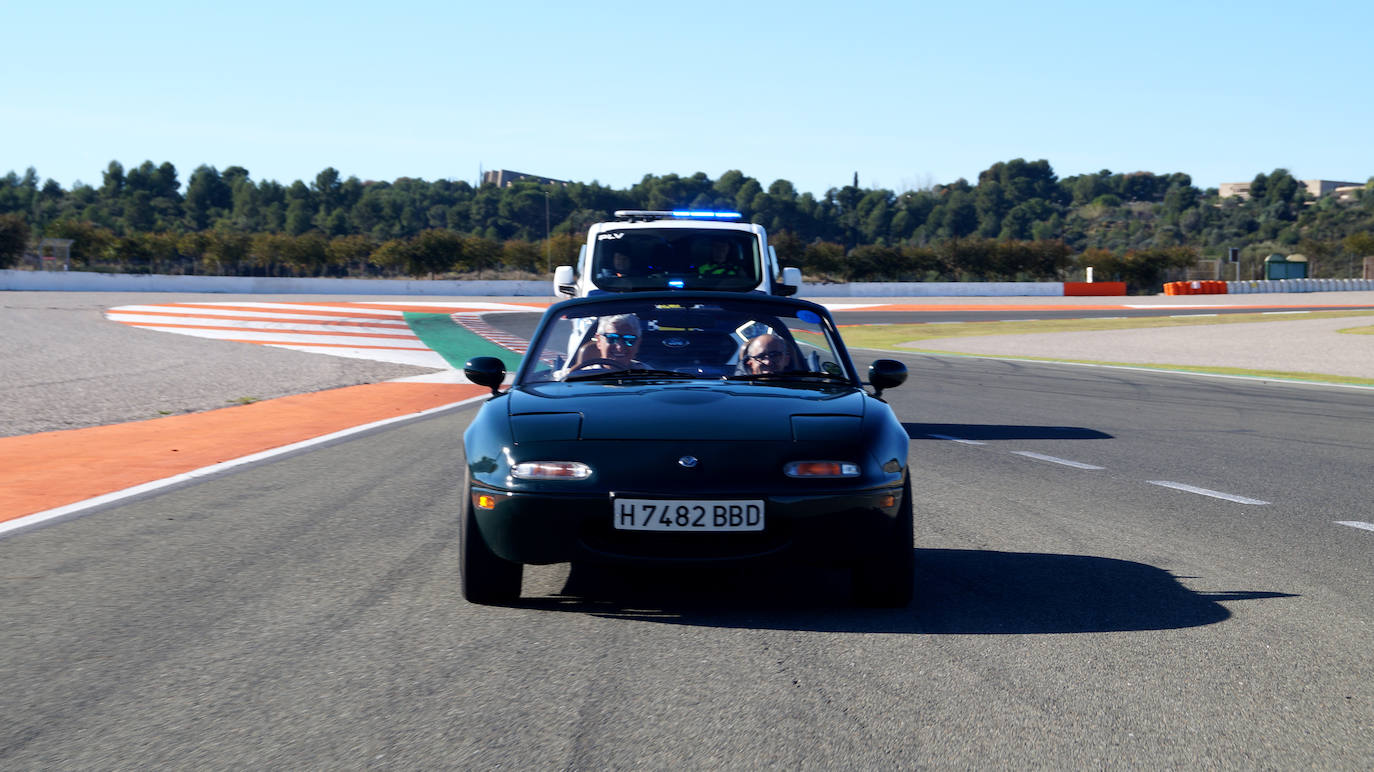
1093, 289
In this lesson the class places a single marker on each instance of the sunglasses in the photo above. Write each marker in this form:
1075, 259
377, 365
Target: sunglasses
615, 338
769, 355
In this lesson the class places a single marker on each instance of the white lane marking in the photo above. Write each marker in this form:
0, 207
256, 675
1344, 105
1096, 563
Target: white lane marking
416, 357
461, 306
123, 317
180, 322
1206, 492
1277, 313
270, 337
1190, 316
1054, 460
1356, 524
956, 439
39, 517
319, 308
171, 311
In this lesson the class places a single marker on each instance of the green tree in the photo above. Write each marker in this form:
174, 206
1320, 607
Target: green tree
227, 251
435, 251
89, 241
208, 198
1360, 244
960, 215
519, 255
348, 255
14, 239
300, 209
823, 259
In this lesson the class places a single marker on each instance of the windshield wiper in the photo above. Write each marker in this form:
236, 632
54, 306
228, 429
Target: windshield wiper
636, 373
786, 377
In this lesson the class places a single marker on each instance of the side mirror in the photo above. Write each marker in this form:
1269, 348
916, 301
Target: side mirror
486, 371
564, 281
885, 374
791, 281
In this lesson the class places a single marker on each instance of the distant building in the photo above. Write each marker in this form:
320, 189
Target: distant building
1230, 189
1317, 188
504, 178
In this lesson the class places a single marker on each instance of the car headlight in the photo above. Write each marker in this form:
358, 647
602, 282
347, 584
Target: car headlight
821, 469
550, 470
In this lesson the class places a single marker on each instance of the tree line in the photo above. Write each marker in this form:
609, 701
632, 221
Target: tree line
1019, 221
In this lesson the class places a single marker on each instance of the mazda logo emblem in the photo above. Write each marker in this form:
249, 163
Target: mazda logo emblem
687, 462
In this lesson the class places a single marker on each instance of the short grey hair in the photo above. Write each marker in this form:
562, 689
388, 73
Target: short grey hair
628, 320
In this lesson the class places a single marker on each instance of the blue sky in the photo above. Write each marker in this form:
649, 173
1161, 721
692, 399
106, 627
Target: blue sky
906, 94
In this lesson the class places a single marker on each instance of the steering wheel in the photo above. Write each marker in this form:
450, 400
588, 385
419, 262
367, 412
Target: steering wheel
610, 364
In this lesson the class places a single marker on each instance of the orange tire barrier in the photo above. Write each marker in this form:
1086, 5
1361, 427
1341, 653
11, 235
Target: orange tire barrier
1195, 288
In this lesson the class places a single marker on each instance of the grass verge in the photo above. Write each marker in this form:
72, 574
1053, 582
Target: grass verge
901, 337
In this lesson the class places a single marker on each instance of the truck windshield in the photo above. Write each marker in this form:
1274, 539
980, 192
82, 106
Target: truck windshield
676, 258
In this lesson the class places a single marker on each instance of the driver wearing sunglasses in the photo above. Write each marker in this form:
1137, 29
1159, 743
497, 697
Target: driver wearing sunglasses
766, 353
618, 338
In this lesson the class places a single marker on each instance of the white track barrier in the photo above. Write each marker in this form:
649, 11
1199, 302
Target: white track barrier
1299, 285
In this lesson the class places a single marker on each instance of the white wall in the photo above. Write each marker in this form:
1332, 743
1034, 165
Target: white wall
84, 281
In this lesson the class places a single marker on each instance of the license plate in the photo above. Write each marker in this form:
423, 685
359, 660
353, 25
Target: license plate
683, 516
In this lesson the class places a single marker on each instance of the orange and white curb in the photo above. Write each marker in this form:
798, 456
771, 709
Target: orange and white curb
374, 331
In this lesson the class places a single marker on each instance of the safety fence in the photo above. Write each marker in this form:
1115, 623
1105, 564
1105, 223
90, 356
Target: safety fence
1262, 286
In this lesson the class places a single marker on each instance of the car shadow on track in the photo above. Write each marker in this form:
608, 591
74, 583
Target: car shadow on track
958, 592
991, 432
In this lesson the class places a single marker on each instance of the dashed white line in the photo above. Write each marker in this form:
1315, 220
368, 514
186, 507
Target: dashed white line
1055, 460
1206, 492
956, 439
1356, 524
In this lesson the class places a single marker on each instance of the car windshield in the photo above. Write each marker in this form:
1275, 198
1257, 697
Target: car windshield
736, 339
633, 259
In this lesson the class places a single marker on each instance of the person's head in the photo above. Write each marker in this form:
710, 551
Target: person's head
766, 353
617, 338
621, 263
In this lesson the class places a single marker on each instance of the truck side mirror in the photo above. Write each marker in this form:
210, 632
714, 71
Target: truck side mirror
564, 282
791, 281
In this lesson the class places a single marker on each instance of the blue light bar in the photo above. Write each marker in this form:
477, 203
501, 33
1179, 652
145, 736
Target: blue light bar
706, 214
676, 283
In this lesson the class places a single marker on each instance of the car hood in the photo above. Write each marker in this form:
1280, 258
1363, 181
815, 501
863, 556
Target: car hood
685, 411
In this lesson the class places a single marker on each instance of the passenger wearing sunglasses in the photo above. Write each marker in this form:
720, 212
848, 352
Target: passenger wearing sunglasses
766, 353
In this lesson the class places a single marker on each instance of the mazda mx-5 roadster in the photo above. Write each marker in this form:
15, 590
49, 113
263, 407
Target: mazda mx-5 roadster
687, 427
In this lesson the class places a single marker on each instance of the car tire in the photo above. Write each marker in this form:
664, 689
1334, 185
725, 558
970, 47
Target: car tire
884, 580
487, 578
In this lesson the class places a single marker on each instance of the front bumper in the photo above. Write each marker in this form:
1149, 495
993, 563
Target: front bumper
828, 527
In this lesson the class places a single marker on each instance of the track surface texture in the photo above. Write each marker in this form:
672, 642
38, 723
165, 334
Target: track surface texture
1115, 569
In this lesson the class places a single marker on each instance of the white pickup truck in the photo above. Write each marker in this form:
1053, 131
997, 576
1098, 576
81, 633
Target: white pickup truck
686, 249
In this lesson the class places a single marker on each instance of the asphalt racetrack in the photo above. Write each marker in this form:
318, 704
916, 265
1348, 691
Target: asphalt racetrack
1116, 568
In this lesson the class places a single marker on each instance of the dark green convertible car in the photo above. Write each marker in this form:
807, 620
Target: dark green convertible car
687, 427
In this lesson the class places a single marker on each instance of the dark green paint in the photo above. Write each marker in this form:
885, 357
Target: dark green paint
455, 343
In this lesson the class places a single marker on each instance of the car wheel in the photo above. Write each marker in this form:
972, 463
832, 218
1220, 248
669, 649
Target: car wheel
486, 578
884, 580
